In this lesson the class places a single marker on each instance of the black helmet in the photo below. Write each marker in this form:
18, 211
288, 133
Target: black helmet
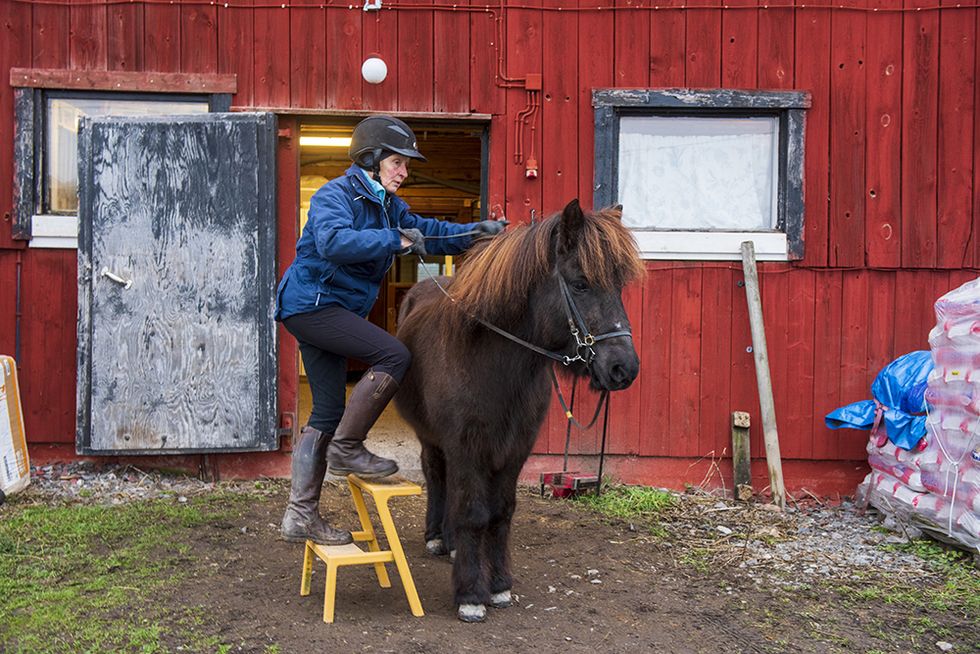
376, 135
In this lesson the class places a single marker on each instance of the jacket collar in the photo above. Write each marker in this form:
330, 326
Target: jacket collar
360, 182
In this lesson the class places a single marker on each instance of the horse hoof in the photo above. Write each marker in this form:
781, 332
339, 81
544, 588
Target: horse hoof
472, 612
436, 547
501, 600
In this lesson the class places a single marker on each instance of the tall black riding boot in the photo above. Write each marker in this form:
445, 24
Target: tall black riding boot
302, 520
347, 453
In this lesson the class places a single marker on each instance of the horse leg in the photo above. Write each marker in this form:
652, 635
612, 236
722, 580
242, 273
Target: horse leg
434, 469
503, 502
469, 514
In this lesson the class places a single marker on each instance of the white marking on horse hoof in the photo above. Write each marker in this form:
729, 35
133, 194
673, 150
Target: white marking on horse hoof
472, 612
435, 547
452, 555
501, 600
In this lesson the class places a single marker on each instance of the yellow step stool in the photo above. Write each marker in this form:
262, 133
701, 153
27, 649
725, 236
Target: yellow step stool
336, 556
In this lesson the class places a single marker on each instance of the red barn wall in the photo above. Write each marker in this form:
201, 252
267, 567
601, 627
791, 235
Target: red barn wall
892, 147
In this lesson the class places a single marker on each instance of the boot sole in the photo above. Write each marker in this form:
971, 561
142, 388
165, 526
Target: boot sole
336, 472
303, 539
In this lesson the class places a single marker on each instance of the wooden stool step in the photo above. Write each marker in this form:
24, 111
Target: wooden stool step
336, 556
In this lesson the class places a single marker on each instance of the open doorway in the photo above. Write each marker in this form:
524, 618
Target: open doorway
451, 185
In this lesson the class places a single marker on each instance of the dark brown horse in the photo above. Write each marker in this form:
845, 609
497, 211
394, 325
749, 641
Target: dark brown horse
476, 399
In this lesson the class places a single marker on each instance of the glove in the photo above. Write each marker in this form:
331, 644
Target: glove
490, 227
416, 241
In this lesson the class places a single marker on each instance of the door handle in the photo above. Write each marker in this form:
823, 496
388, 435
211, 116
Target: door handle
126, 283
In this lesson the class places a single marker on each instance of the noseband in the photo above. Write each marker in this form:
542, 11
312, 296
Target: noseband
584, 340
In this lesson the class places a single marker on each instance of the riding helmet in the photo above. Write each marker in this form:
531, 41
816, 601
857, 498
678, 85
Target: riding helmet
376, 137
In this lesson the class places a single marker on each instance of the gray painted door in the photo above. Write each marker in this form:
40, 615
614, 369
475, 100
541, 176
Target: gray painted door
176, 281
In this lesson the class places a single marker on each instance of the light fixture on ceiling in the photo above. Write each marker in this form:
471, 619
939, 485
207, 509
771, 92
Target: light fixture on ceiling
325, 141
374, 70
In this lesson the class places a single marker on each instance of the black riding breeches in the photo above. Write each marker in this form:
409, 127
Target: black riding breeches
327, 338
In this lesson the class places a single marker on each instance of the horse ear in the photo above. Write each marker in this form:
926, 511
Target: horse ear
572, 221
618, 211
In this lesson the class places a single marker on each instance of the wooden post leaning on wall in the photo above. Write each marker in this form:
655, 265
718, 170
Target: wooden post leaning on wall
761, 355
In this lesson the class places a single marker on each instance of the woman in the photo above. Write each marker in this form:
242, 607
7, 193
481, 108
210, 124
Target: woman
356, 226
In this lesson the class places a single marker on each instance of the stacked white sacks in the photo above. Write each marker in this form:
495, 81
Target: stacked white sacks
937, 485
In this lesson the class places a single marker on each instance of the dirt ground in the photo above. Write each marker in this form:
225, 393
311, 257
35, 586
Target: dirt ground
584, 583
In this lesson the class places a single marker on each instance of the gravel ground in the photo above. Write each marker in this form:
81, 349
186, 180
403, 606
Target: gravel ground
810, 539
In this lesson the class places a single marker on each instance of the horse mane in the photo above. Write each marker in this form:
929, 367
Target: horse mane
498, 274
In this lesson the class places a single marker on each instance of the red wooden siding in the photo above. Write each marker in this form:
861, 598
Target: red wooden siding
892, 173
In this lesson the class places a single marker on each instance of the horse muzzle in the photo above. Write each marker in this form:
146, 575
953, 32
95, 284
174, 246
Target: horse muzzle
614, 366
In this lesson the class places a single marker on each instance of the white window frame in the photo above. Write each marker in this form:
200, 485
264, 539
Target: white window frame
785, 242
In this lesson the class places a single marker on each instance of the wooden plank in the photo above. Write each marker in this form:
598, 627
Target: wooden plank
125, 37
451, 75
913, 310
50, 44
828, 312
920, 88
776, 313
813, 73
287, 233
88, 47
16, 27
307, 56
744, 396
957, 89
485, 95
344, 58
847, 137
776, 48
118, 80
760, 354
198, 37
685, 362
881, 316
415, 67
559, 116
161, 37
796, 406
523, 55
716, 343
667, 48
271, 67
855, 383
48, 345
631, 45
740, 46
657, 318
236, 36
741, 457
883, 161
625, 422
381, 37
703, 44
595, 70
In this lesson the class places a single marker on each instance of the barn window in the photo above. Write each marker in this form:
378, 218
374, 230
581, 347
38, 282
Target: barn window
48, 105
698, 172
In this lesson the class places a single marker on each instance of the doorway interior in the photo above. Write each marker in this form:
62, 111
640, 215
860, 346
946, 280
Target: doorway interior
451, 185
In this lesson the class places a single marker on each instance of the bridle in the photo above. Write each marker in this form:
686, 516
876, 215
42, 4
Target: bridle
585, 341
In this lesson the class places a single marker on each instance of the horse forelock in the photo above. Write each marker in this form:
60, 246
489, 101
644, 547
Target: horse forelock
496, 280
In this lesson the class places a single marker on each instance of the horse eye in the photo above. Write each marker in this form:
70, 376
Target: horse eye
580, 285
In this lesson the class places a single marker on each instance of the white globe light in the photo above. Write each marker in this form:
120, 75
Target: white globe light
374, 70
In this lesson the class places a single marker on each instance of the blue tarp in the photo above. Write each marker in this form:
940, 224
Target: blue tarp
900, 393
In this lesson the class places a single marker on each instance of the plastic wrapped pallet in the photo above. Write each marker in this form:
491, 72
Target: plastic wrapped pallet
15, 469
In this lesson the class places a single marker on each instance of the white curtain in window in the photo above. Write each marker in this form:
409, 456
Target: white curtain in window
693, 173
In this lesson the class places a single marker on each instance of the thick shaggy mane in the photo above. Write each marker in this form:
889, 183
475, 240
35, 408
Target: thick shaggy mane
498, 274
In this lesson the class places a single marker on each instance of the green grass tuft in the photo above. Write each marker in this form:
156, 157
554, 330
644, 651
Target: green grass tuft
629, 502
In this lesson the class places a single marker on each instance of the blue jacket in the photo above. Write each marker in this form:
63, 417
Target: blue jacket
349, 242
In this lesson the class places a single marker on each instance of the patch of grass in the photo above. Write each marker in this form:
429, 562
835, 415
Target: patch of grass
960, 589
629, 502
81, 578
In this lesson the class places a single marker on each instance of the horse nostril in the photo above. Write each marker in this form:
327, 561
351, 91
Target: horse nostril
619, 374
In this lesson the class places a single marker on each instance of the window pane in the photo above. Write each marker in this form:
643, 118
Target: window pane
61, 170
678, 172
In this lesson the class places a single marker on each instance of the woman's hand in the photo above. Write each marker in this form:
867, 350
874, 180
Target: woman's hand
413, 241
490, 227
